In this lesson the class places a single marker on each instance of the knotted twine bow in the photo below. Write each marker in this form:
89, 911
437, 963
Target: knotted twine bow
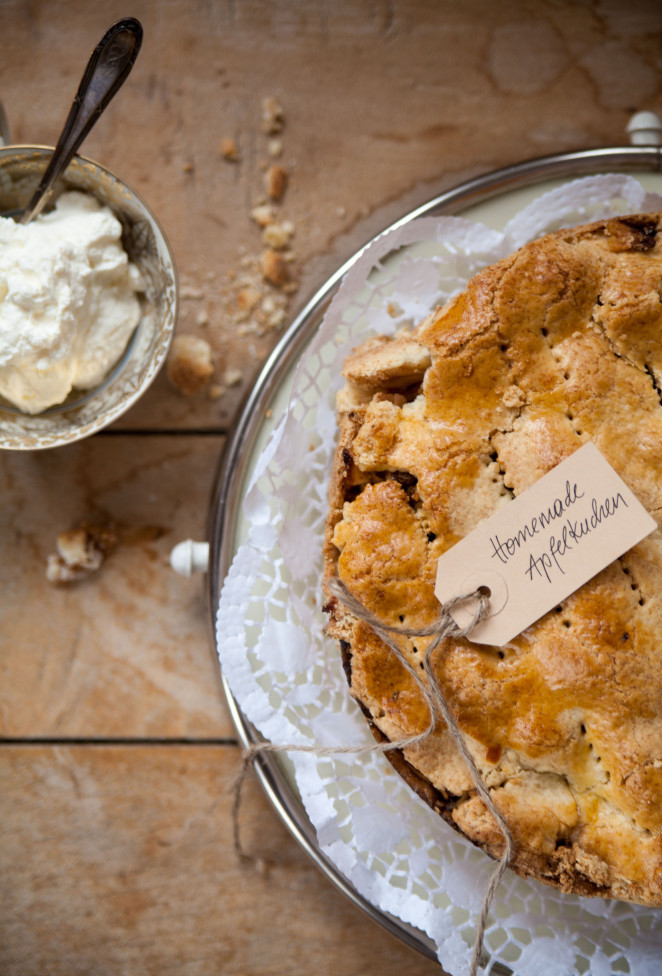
444, 626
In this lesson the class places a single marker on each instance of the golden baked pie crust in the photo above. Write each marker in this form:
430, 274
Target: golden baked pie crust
555, 345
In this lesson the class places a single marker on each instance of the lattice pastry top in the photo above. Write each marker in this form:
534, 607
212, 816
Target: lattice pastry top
555, 345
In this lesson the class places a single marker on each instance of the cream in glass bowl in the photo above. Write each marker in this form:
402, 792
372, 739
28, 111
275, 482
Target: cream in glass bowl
123, 335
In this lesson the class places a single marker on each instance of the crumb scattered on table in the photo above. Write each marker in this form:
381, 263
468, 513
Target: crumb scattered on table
189, 367
230, 150
277, 236
276, 181
274, 267
273, 118
247, 298
80, 552
251, 298
232, 377
263, 214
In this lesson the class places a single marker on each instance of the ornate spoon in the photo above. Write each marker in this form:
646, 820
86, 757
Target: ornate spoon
107, 69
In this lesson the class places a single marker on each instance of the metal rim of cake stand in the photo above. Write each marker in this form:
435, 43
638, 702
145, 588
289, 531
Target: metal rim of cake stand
235, 460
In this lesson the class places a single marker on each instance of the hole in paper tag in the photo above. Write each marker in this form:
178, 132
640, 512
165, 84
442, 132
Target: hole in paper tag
489, 583
549, 541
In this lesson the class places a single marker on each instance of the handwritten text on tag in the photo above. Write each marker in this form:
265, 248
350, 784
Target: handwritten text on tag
544, 545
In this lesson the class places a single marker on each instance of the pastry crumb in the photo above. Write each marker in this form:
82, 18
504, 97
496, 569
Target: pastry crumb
232, 376
277, 236
273, 119
80, 552
230, 150
189, 366
276, 181
247, 298
263, 214
274, 268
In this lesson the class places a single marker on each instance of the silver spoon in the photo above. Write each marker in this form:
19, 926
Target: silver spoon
107, 69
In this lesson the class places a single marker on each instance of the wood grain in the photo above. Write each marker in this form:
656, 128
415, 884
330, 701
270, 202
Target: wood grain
121, 861
116, 858
127, 651
384, 105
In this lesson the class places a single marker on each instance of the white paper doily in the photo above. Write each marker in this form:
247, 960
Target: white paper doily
287, 678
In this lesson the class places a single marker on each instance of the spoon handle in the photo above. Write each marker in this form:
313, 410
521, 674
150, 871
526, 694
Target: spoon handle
107, 69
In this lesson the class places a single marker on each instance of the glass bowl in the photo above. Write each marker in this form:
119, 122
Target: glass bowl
85, 412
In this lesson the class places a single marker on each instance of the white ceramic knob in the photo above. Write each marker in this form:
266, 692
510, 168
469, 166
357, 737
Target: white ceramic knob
645, 129
190, 557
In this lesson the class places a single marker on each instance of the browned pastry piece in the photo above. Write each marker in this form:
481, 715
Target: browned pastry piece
557, 344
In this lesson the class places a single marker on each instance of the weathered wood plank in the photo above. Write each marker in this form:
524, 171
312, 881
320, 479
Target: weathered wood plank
120, 860
384, 104
127, 651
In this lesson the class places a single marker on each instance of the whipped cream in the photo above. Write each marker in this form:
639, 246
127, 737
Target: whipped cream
68, 301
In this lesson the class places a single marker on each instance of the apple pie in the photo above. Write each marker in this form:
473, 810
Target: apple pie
440, 426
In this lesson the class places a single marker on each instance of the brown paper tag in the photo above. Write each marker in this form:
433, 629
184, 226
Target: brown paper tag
544, 545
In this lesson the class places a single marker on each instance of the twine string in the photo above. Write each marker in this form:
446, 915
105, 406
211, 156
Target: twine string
444, 626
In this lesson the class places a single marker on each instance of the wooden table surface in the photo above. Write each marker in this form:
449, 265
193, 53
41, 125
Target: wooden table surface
117, 752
